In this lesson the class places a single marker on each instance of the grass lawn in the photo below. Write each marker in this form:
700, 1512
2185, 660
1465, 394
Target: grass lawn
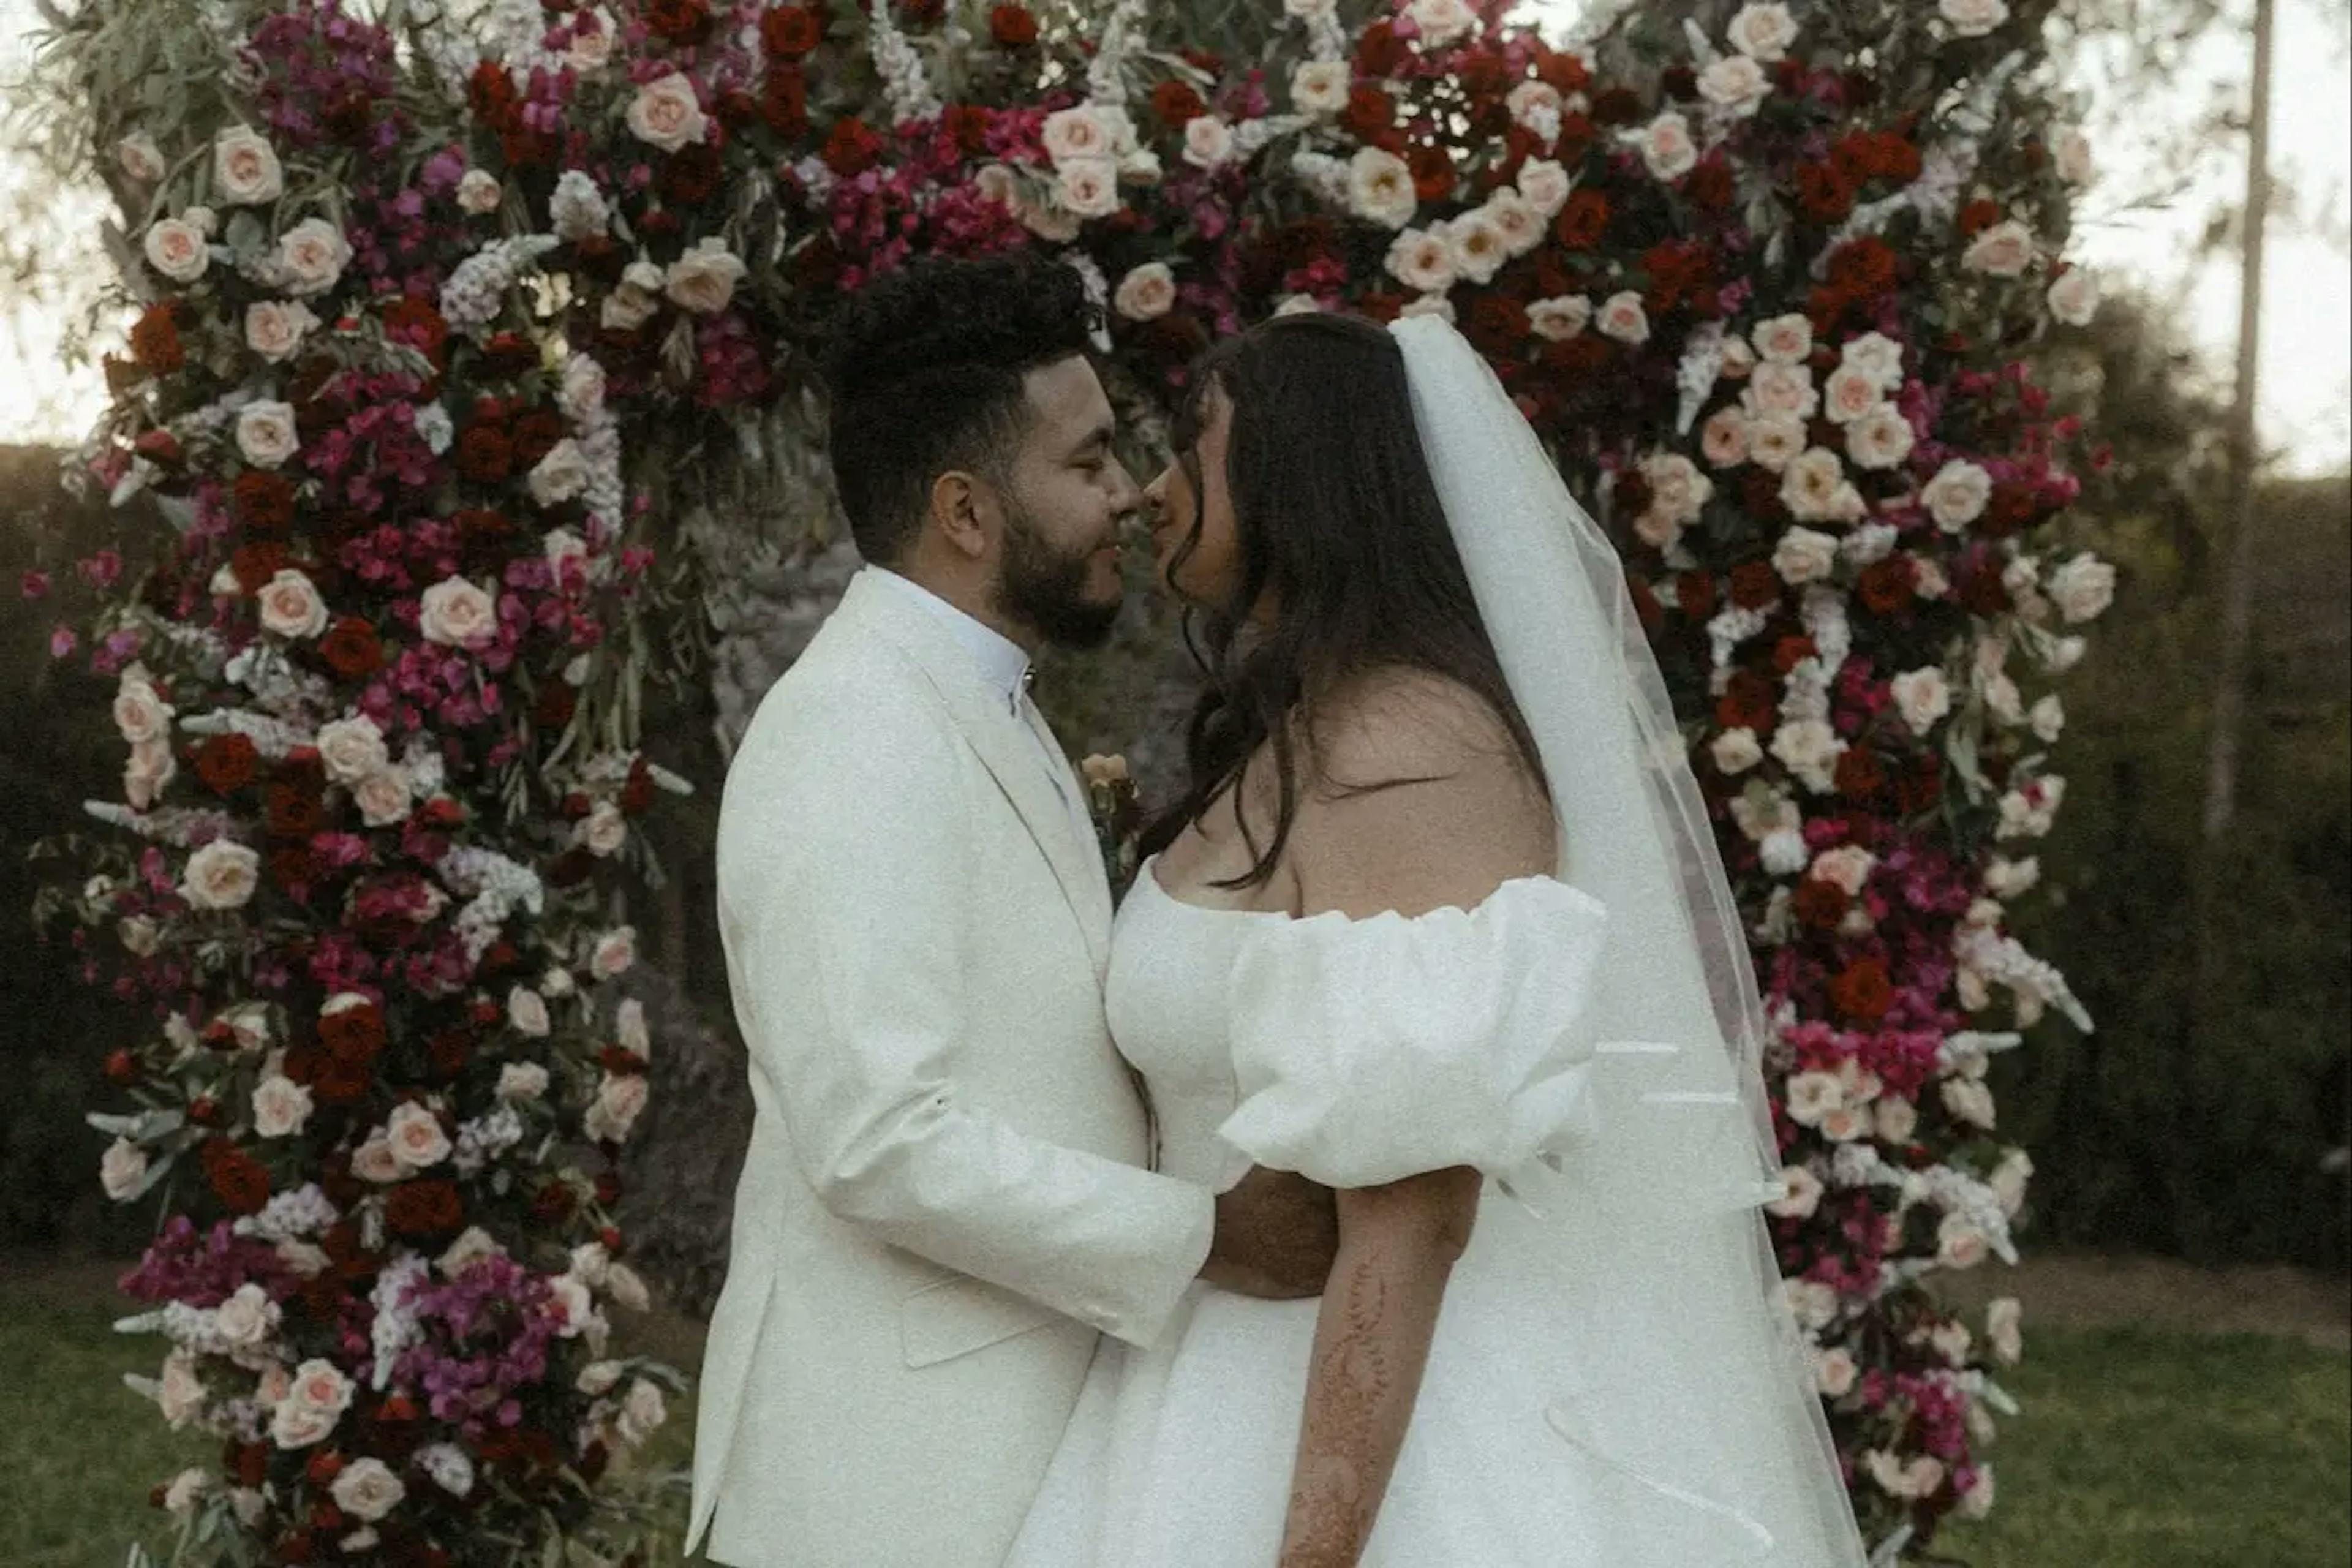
2138, 1448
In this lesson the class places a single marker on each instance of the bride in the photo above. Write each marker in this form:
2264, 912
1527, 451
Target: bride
1441, 926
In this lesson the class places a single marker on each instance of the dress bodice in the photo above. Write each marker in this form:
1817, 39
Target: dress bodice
1166, 999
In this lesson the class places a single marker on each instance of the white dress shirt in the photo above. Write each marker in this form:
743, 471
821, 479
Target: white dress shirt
1005, 664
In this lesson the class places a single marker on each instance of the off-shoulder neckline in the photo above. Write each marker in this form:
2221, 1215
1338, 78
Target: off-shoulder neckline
1148, 872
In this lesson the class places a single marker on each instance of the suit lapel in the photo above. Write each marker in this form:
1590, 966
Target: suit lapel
1003, 745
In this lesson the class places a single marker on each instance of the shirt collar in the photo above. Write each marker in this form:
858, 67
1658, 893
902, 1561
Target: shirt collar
1002, 662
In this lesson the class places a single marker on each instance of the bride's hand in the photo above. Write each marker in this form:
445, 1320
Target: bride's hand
1276, 1235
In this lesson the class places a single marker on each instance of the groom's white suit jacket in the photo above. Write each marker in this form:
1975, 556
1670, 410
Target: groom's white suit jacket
944, 1201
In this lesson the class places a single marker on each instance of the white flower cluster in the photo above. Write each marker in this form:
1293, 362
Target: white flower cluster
1326, 177
279, 684
1989, 958
485, 1138
291, 1217
903, 82
494, 886
446, 1465
1122, 32
1731, 627
396, 1327
476, 291
582, 400
273, 738
179, 826
577, 210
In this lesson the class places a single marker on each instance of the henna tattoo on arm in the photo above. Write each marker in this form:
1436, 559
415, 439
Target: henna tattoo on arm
1371, 1343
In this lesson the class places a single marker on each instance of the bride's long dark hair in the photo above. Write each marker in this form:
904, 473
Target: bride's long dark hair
1340, 528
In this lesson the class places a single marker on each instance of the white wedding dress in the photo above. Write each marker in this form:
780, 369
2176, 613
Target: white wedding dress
1603, 1392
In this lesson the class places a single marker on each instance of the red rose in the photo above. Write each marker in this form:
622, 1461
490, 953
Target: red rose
424, 1208
249, 1463
535, 435
638, 792
852, 148
323, 1468
1499, 325
2011, 509
1013, 26
294, 812
1921, 789
1710, 186
1563, 70
1695, 594
1369, 113
1819, 903
264, 501
485, 454
225, 763
417, 323
1792, 651
1755, 586
790, 31
1646, 608
1582, 356
1886, 586
352, 648
1863, 267
1616, 106
121, 1068
492, 94
1177, 104
553, 1203
678, 21
1862, 991
1679, 271
510, 353
1680, 82
1860, 775
1894, 157
967, 123
1380, 51
292, 868
1979, 589
1433, 171
1978, 216
155, 339
449, 1050
236, 1177
1747, 703
608, 1189
355, 1034
255, 564
158, 446
784, 99
1584, 221
1824, 193
690, 176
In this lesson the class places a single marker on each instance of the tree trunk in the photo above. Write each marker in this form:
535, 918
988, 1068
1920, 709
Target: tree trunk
2210, 1001
2237, 586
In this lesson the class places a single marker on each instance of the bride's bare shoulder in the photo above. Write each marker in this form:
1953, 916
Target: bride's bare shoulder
1422, 799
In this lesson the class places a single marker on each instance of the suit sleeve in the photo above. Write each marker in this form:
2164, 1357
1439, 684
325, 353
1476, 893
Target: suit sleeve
845, 892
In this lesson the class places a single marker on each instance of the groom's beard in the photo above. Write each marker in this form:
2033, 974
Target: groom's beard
1045, 589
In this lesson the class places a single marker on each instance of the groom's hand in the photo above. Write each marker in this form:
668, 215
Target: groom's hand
1276, 1235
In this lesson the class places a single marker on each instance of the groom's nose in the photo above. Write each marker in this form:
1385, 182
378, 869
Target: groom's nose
1126, 494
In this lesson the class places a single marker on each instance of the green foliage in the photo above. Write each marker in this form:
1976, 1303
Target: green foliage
2148, 1134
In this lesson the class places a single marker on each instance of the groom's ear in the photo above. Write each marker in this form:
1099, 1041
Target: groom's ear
962, 510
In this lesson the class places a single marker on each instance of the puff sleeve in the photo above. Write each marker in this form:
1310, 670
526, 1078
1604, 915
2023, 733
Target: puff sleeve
1366, 1052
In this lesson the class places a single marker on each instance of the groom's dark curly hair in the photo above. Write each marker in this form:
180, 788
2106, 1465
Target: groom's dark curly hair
926, 368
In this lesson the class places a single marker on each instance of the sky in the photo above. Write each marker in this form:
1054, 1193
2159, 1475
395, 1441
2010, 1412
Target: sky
2306, 375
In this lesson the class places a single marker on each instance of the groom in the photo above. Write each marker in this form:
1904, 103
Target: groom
945, 1205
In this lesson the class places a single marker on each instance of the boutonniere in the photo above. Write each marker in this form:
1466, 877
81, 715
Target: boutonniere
1117, 808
